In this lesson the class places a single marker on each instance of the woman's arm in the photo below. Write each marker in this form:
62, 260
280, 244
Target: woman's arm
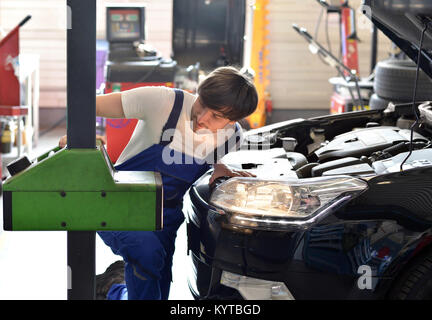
110, 106
221, 170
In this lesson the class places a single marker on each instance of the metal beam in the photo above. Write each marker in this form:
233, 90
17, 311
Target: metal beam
81, 74
81, 132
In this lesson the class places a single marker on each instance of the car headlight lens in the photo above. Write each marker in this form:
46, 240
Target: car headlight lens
250, 202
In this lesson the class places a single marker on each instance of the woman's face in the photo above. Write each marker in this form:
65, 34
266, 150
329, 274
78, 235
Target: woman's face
204, 118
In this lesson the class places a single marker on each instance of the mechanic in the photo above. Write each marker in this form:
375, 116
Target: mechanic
179, 135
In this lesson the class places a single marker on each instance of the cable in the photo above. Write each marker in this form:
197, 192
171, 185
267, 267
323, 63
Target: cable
327, 33
149, 73
342, 75
360, 99
55, 125
415, 97
318, 23
326, 28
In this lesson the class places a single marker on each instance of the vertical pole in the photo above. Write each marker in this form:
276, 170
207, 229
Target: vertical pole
374, 48
19, 136
81, 256
81, 132
248, 34
81, 75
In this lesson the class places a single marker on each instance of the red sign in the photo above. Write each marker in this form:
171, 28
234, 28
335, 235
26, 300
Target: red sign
9, 83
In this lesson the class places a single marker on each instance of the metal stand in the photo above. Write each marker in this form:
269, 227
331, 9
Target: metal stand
81, 253
374, 49
81, 132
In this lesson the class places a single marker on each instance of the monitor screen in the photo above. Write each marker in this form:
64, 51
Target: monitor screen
125, 24
206, 31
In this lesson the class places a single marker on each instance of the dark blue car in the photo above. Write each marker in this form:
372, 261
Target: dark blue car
341, 206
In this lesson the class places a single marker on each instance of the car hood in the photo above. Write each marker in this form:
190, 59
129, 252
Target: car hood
403, 22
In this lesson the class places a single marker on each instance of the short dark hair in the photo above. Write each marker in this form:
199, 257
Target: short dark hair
230, 92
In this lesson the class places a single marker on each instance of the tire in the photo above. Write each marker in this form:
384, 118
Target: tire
378, 103
394, 80
416, 282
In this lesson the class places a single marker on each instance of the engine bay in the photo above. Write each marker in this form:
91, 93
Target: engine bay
357, 144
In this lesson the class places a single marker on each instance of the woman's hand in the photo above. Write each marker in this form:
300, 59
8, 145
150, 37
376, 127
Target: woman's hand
221, 170
63, 140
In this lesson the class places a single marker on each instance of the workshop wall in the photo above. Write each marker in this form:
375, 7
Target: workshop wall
298, 79
45, 35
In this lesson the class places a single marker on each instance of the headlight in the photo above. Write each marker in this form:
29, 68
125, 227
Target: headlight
254, 203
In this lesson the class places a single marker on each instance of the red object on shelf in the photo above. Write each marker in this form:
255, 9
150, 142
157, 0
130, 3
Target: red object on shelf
338, 104
10, 98
13, 111
9, 52
119, 131
269, 105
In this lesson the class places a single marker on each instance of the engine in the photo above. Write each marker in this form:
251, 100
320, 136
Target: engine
378, 147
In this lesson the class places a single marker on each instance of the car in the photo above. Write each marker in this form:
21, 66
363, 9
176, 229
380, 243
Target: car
341, 205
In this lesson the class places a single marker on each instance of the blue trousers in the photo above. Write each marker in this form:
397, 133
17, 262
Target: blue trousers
148, 259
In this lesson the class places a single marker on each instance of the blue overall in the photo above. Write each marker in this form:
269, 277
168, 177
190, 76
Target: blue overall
148, 255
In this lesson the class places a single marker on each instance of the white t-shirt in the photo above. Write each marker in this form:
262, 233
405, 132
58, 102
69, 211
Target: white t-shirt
152, 107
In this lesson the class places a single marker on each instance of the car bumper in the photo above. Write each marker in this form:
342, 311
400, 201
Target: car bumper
286, 261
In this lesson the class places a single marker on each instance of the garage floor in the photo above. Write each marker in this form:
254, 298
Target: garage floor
33, 264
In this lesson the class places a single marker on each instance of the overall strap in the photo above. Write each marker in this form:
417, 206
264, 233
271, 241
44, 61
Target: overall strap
173, 117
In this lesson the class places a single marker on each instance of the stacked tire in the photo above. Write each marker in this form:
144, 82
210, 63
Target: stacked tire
394, 82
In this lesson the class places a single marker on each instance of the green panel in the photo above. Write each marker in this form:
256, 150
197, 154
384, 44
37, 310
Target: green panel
84, 211
74, 170
81, 189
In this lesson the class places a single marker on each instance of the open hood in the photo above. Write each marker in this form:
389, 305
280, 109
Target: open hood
403, 22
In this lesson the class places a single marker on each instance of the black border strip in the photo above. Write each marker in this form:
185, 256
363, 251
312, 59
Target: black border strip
7, 210
159, 201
